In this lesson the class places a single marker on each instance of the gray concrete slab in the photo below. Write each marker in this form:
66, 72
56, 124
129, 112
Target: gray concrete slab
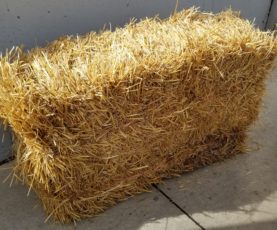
35, 22
240, 193
144, 212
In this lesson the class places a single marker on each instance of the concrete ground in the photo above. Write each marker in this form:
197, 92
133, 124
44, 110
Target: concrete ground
240, 193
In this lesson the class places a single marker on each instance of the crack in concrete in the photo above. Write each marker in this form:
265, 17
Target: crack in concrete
7, 160
178, 206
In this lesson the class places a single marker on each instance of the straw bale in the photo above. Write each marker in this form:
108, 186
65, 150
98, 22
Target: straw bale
99, 118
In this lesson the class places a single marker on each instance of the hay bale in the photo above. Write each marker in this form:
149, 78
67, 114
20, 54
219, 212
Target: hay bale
100, 117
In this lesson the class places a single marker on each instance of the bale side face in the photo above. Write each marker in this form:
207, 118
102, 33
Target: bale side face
99, 118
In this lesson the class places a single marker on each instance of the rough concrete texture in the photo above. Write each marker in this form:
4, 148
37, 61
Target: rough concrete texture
240, 193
